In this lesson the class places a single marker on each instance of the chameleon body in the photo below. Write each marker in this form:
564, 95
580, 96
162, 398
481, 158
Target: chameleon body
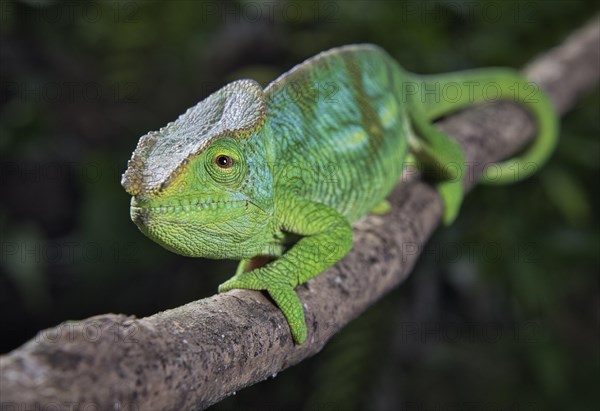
243, 170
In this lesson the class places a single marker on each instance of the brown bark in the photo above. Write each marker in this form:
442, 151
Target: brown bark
193, 356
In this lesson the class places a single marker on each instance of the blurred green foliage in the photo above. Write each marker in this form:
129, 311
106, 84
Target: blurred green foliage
502, 312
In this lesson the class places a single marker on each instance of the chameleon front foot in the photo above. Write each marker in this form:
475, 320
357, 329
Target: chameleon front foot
288, 302
283, 294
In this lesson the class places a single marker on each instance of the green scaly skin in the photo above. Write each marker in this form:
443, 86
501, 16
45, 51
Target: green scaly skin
319, 148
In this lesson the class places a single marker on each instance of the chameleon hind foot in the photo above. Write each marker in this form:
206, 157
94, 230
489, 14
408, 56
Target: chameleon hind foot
451, 193
381, 208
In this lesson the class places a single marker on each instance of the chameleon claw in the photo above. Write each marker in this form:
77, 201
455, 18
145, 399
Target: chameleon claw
288, 302
249, 280
283, 295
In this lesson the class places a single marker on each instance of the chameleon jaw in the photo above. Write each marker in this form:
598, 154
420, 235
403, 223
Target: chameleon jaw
143, 214
187, 206
196, 233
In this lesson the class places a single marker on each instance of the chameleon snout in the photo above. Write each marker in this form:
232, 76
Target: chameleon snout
139, 216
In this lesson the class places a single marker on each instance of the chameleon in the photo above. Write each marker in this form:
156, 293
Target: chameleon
275, 177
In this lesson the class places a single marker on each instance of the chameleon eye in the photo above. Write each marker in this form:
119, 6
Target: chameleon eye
224, 161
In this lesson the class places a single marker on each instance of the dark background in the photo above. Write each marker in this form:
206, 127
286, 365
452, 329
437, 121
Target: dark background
502, 311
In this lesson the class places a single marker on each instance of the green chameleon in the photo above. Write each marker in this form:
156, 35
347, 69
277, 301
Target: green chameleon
247, 170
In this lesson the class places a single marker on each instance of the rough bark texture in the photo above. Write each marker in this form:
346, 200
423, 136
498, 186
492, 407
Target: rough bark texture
192, 356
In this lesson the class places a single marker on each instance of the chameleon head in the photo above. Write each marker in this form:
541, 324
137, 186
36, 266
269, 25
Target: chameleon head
195, 190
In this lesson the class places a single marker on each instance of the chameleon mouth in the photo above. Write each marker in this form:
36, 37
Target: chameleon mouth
139, 216
142, 212
179, 209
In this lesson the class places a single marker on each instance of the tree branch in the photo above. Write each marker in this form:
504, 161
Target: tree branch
195, 355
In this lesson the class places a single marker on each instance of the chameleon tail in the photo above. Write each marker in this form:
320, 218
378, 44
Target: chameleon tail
446, 93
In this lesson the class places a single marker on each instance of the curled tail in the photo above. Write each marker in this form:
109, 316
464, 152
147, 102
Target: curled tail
445, 93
